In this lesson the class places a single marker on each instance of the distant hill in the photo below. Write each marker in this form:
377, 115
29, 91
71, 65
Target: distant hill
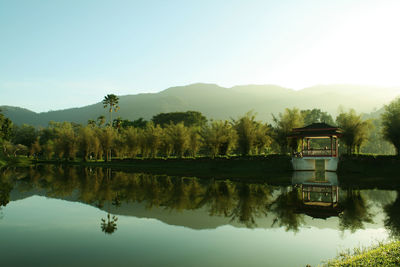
221, 103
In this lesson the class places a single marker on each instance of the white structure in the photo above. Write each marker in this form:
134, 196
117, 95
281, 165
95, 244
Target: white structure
310, 159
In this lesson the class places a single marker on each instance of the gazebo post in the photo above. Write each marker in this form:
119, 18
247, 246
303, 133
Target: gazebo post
336, 147
331, 146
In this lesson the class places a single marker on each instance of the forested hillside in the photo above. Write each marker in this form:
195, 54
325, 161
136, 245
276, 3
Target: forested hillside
220, 103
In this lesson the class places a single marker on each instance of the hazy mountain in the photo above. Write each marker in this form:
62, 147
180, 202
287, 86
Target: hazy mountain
222, 103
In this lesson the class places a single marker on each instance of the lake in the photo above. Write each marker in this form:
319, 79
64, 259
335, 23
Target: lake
70, 216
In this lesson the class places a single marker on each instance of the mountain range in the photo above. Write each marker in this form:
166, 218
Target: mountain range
217, 102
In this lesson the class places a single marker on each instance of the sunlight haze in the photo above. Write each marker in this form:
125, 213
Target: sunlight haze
71, 53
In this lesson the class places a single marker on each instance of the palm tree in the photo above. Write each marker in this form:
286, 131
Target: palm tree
111, 101
91, 123
109, 226
101, 120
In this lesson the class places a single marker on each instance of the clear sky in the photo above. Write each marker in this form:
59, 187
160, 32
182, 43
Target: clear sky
58, 54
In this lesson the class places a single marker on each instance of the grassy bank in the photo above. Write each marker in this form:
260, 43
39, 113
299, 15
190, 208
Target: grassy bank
370, 171
382, 255
256, 167
369, 165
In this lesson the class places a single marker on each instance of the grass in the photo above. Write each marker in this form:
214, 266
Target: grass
380, 255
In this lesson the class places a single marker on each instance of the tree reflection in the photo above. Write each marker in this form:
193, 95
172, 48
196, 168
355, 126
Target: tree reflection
5, 189
109, 225
284, 207
240, 203
355, 212
392, 221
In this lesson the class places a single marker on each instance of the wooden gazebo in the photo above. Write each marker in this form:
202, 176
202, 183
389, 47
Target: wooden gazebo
317, 131
308, 156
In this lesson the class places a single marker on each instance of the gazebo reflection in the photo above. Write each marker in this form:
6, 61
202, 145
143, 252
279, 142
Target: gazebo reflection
319, 192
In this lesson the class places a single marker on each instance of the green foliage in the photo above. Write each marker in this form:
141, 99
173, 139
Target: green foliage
376, 144
151, 140
6, 126
284, 124
391, 124
253, 136
101, 120
316, 115
66, 141
355, 131
179, 136
120, 123
25, 135
219, 138
188, 118
132, 140
380, 255
87, 141
106, 137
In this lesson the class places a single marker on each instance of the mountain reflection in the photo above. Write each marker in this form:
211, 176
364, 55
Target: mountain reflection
313, 194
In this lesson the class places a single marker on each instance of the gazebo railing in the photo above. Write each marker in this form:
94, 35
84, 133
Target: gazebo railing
319, 152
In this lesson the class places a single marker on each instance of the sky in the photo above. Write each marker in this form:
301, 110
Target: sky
57, 54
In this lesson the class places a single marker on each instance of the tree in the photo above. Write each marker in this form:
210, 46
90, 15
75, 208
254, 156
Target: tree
111, 101
151, 140
252, 135
106, 137
109, 226
101, 120
316, 115
391, 124
87, 138
6, 126
67, 141
91, 123
220, 138
25, 135
354, 130
132, 141
194, 141
179, 136
189, 118
284, 124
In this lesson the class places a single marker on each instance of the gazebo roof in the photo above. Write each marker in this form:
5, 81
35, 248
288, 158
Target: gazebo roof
316, 129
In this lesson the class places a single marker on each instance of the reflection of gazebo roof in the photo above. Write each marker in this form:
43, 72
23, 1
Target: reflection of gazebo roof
320, 129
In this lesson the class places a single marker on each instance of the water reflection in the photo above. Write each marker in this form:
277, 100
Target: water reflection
312, 194
319, 193
392, 221
109, 225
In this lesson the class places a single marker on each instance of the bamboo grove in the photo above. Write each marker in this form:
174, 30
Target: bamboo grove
190, 134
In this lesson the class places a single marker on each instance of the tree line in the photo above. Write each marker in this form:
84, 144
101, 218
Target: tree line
190, 134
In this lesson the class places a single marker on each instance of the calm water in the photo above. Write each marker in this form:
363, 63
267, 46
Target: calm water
86, 217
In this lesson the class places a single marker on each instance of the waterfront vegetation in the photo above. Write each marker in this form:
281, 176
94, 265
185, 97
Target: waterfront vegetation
380, 255
190, 134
